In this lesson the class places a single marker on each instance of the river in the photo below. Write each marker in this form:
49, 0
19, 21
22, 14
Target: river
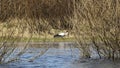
58, 55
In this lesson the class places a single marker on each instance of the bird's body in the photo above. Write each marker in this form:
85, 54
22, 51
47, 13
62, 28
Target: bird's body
62, 34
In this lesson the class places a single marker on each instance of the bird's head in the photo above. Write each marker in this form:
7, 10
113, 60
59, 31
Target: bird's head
66, 33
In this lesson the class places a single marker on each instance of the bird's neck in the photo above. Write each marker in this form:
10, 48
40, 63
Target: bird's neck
66, 33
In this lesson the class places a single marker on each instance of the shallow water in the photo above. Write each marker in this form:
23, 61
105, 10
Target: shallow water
61, 55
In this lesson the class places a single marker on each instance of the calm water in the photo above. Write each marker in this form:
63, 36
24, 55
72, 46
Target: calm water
60, 55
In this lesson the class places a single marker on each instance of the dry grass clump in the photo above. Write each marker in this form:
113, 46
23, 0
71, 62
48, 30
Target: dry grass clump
92, 21
40, 12
27, 18
99, 21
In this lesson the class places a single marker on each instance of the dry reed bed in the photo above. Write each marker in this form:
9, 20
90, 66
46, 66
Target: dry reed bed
100, 22
90, 20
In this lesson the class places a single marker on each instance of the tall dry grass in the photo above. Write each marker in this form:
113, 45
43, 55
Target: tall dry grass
25, 18
98, 22
92, 21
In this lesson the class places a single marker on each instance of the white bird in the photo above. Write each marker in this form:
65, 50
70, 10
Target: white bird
62, 34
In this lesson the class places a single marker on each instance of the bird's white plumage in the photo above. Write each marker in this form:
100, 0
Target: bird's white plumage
63, 34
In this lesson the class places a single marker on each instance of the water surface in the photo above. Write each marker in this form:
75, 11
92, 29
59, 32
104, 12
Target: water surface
59, 55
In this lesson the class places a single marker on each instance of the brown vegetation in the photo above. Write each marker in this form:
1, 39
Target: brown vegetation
99, 21
92, 21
